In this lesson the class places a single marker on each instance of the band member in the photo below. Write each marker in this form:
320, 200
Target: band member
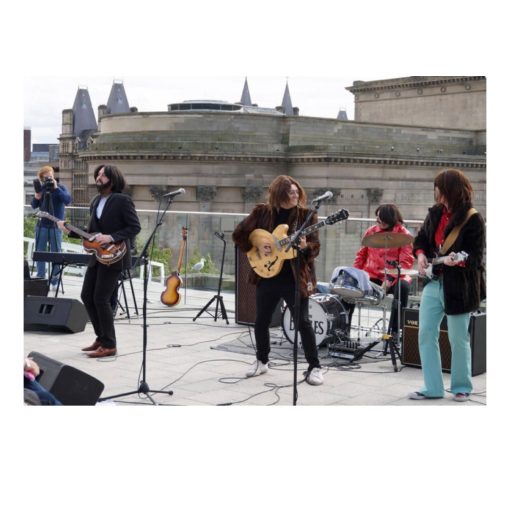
286, 205
459, 287
375, 260
113, 216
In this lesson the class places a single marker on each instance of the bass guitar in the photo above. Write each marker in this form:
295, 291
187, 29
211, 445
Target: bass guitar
433, 263
269, 250
170, 296
105, 253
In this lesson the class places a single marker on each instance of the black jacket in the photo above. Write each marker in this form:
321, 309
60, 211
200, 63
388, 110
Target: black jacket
118, 219
464, 287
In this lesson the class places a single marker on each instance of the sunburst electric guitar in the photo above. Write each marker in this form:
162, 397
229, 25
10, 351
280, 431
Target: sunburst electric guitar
170, 296
269, 250
105, 253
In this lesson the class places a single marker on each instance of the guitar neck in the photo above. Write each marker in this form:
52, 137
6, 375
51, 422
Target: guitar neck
306, 231
70, 227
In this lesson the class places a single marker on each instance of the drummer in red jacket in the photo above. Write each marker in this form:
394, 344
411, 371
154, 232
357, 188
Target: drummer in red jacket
375, 260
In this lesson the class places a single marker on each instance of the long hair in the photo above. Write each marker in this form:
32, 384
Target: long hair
389, 214
115, 176
455, 188
279, 191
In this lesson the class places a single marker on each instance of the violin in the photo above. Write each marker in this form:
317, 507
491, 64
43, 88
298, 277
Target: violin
170, 296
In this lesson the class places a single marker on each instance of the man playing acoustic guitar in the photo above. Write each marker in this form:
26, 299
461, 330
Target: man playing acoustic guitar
286, 205
113, 217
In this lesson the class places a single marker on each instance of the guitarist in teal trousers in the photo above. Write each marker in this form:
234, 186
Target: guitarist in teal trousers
457, 286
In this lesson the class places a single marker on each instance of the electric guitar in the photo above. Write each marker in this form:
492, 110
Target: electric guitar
105, 253
269, 250
433, 263
170, 296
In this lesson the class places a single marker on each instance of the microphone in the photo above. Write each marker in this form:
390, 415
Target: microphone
325, 196
393, 263
220, 235
172, 194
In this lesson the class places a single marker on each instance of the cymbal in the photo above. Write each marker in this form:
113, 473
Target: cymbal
403, 272
387, 240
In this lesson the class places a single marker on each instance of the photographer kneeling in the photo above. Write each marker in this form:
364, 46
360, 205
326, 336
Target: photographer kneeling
51, 197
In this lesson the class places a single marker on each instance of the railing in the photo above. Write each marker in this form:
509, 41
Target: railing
339, 244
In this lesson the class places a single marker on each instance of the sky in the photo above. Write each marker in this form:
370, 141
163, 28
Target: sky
45, 97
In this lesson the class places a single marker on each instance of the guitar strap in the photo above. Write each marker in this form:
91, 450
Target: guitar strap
452, 236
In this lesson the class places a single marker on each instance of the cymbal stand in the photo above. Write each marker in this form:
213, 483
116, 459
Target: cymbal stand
388, 337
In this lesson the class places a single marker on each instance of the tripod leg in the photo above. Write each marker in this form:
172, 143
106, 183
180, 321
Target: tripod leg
205, 308
223, 309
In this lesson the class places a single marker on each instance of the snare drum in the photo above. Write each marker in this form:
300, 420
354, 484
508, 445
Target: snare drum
326, 314
347, 287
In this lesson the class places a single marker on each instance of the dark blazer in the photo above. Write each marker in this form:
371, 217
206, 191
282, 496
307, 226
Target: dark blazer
118, 219
464, 287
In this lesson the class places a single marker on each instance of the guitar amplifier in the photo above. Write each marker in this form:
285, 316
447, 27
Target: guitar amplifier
477, 332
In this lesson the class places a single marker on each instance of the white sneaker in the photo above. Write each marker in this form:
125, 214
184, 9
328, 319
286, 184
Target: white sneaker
257, 368
315, 377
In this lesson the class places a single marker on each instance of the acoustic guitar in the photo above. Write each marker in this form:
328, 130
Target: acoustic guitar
170, 296
105, 253
269, 250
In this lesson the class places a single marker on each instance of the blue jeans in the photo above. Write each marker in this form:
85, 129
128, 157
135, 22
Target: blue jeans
431, 315
46, 398
45, 237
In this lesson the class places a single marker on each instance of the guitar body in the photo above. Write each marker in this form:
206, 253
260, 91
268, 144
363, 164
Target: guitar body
106, 254
266, 257
269, 250
170, 296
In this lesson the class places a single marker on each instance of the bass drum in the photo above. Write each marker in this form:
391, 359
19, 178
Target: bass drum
327, 314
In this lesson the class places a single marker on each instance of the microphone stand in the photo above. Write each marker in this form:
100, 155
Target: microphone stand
390, 340
218, 298
144, 256
294, 243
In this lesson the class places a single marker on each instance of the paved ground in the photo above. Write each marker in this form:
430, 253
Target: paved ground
182, 356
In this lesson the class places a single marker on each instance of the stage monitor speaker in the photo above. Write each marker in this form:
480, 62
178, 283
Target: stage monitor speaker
477, 331
70, 385
54, 314
245, 298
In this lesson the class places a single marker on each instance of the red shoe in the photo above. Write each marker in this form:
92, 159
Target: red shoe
103, 352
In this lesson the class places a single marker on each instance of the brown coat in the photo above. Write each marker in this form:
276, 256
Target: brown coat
263, 216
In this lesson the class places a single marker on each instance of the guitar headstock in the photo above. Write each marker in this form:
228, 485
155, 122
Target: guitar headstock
343, 214
184, 233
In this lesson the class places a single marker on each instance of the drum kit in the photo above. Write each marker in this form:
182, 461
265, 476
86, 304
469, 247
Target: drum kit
327, 312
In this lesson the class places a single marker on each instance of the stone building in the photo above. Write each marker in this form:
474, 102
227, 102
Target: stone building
225, 154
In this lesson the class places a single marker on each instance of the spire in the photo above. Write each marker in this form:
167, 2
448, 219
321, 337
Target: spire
287, 108
83, 115
245, 97
342, 114
117, 102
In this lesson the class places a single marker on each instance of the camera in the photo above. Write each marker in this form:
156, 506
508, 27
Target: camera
48, 183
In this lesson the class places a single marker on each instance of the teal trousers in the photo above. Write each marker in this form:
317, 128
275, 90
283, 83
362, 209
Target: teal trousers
431, 315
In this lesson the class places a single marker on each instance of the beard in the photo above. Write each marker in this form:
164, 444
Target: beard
101, 188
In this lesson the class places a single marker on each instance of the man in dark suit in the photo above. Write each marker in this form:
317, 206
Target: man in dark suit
113, 216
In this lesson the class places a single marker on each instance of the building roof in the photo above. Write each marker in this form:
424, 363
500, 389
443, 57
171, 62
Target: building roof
83, 114
117, 101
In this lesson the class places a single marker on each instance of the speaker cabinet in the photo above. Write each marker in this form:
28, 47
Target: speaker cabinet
70, 385
36, 287
477, 331
245, 298
54, 314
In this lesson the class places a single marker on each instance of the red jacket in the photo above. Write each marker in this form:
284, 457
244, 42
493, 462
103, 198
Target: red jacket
373, 260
